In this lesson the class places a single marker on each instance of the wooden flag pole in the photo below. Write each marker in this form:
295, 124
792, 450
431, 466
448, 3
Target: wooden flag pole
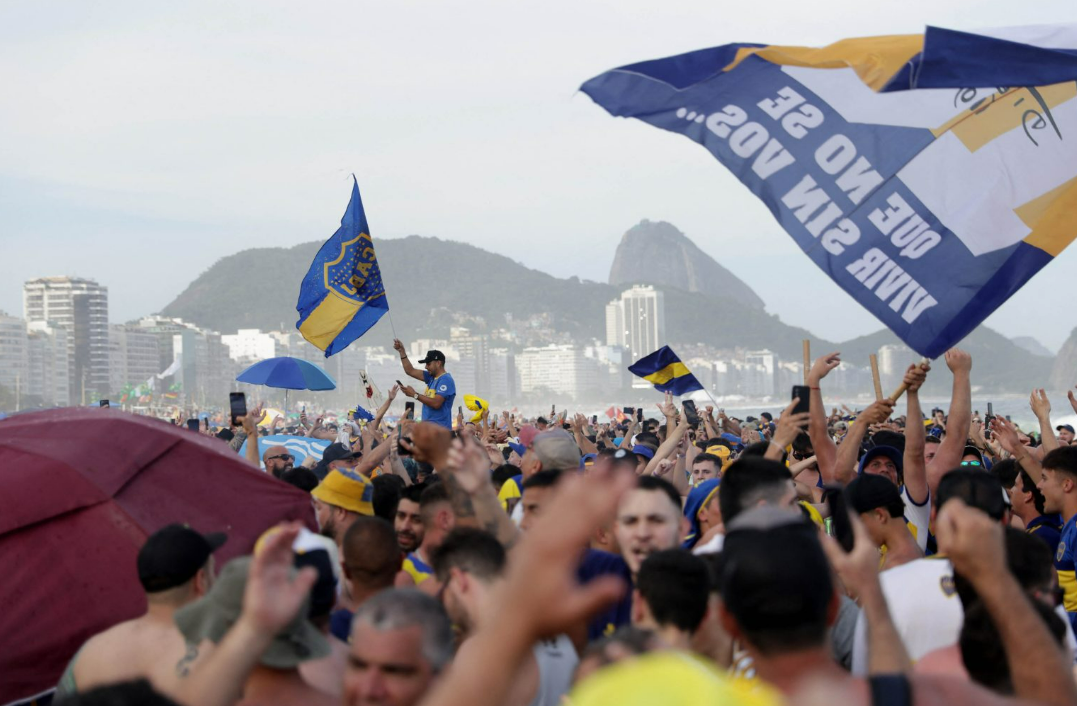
875, 376
807, 359
901, 388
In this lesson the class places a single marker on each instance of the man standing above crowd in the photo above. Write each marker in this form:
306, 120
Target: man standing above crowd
437, 400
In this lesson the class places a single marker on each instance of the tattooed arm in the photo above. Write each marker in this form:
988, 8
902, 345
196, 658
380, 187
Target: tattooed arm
474, 501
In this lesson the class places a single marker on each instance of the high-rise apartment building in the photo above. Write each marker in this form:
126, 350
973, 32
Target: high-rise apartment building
49, 368
81, 307
636, 321
14, 357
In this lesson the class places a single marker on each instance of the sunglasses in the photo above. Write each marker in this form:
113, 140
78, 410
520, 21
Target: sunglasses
971, 463
288, 457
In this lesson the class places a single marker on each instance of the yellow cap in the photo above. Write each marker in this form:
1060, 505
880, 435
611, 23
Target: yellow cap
814, 513
346, 489
668, 678
719, 450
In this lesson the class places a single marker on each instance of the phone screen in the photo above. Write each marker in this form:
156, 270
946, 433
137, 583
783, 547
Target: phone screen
839, 514
193, 424
629, 411
639, 414
237, 403
594, 419
103, 403
803, 392
409, 407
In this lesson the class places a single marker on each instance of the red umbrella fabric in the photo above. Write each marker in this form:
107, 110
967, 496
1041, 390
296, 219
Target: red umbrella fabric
80, 490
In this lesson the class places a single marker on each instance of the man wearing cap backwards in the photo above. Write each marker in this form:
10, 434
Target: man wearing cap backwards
437, 400
175, 567
881, 509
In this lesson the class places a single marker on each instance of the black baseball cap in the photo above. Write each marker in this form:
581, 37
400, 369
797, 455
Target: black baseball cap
869, 491
431, 356
172, 556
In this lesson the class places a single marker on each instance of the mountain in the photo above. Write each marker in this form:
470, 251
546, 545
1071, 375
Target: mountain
1033, 346
997, 362
1064, 372
657, 253
433, 284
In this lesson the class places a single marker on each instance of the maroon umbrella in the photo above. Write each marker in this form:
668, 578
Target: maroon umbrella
80, 490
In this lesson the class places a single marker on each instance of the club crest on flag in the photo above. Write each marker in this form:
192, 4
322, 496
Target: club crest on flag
354, 273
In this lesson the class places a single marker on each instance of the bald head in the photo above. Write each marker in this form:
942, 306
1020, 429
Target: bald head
277, 460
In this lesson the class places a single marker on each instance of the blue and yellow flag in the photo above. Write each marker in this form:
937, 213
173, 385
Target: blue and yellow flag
929, 207
666, 371
342, 295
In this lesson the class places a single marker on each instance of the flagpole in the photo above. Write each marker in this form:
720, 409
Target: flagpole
389, 313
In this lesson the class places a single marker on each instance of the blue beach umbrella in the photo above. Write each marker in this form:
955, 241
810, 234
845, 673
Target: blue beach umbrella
289, 374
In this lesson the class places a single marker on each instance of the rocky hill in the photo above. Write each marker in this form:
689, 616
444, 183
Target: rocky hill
1064, 371
433, 284
657, 253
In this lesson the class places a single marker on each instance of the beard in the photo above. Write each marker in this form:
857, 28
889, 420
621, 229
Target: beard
407, 540
330, 529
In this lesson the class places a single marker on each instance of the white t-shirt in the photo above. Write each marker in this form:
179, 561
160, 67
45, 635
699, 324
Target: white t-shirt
712, 546
557, 662
918, 518
924, 606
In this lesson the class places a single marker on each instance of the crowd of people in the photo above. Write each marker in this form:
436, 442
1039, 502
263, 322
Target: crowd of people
883, 557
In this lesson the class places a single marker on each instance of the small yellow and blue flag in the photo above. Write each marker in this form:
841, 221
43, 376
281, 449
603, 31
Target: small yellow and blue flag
342, 295
666, 371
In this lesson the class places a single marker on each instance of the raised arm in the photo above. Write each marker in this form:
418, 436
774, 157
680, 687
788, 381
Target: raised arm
975, 545
826, 451
474, 501
915, 471
409, 369
1041, 407
789, 425
372, 458
250, 426
952, 447
578, 431
1006, 435
668, 446
849, 448
376, 423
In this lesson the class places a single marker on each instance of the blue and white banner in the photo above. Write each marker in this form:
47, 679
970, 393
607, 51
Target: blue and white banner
930, 207
299, 446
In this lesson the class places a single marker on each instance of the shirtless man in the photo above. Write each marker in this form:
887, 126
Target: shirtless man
175, 567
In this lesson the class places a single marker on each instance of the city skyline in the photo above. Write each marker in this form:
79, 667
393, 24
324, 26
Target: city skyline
137, 162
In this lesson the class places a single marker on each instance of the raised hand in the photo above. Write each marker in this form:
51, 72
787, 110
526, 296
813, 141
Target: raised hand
958, 360
667, 408
971, 540
1005, 433
1041, 406
468, 463
789, 425
877, 412
275, 592
859, 568
393, 391
399, 347
542, 574
663, 468
822, 367
915, 376
1073, 400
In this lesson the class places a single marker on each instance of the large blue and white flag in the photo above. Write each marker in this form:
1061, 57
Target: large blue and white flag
909, 168
342, 295
299, 446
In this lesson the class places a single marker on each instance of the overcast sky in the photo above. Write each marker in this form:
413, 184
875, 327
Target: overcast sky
143, 141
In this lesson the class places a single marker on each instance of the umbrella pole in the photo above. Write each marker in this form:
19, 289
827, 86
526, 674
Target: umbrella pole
286, 403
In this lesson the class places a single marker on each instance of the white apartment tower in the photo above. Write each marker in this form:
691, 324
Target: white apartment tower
80, 306
637, 321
